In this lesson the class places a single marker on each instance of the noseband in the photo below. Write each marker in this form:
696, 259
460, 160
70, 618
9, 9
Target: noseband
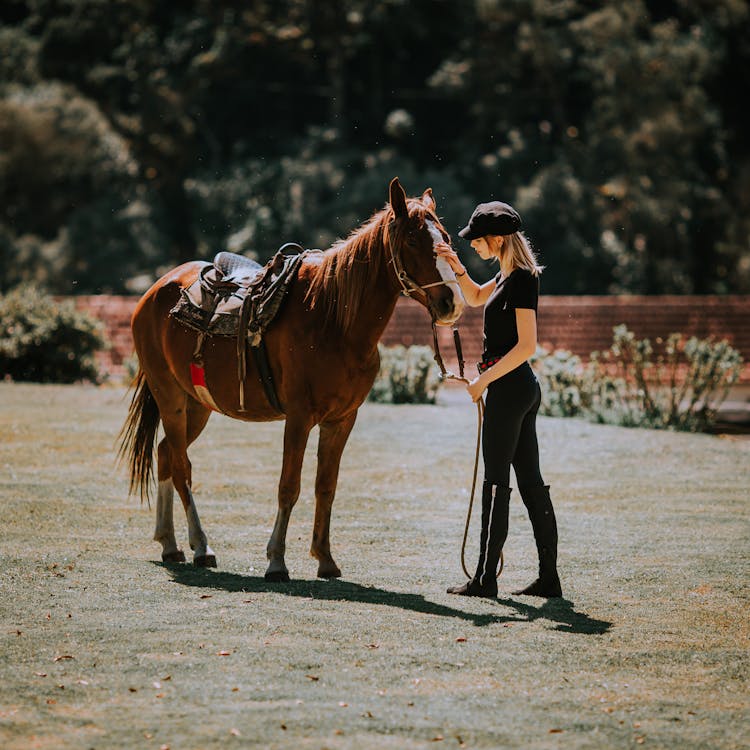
408, 285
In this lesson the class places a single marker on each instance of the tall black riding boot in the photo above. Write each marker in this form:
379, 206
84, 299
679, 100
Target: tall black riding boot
542, 516
495, 502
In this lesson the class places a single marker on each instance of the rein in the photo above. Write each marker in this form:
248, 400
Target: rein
410, 287
447, 375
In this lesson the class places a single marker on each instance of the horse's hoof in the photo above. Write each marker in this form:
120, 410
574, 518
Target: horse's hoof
205, 561
329, 572
174, 557
277, 576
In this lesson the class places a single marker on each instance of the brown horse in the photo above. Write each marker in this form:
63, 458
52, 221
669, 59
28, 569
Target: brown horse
322, 350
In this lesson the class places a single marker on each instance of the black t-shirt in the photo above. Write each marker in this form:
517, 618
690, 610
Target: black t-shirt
519, 290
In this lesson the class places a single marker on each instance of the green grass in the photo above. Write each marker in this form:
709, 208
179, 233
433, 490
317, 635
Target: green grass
105, 647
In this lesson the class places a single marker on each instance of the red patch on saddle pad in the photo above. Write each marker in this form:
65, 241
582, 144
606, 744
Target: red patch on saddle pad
197, 375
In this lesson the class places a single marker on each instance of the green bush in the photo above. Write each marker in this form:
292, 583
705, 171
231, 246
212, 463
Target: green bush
408, 375
679, 387
46, 342
559, 375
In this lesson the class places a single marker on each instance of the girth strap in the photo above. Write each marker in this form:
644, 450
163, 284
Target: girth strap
266, 376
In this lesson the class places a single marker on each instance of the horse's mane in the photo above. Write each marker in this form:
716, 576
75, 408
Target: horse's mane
347, 269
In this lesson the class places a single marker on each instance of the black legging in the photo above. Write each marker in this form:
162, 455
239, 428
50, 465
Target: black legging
509, 429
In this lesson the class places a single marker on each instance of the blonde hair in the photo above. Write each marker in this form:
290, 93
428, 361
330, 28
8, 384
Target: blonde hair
522, 254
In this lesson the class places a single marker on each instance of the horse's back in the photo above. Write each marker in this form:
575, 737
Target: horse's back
151, 315
165, 292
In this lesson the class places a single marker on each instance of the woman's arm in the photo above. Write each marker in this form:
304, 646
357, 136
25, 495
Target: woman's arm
474, 294
520, 353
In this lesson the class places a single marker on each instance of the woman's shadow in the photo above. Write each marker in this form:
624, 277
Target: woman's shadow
559, 611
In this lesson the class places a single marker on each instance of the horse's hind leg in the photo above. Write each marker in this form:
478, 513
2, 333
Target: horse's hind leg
182, 425
296, 433
333, 437
164, 532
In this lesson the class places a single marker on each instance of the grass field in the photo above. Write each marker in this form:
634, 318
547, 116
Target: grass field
103, 646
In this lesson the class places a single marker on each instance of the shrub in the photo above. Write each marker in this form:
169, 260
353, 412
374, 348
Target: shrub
45, 342
680, 387
407, 376
560, 376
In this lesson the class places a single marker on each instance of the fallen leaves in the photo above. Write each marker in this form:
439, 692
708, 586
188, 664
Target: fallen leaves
312, 677
63, 656
224, 653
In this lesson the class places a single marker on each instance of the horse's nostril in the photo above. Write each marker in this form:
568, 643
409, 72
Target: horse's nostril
446, 307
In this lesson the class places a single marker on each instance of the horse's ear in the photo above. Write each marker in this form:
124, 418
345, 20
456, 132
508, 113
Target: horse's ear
428, 199
398, 198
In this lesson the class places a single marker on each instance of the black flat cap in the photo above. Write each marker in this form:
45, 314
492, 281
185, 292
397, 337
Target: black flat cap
494, 217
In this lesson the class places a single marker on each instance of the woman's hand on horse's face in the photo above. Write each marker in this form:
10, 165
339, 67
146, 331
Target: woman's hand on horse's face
444, 250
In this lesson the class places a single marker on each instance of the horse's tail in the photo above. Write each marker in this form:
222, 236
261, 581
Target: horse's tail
138, 436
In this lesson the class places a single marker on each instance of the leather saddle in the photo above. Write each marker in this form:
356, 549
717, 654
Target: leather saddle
235, 296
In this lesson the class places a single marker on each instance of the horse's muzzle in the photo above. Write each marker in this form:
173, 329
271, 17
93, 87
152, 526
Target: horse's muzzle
446, 309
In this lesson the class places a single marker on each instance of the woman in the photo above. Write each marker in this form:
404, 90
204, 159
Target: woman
513, 395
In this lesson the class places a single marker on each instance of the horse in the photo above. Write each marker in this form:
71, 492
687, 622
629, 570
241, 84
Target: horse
322, 350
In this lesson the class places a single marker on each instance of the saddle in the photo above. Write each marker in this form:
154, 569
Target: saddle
237, 297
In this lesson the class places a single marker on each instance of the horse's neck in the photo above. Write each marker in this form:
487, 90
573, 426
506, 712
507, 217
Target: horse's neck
376, 310
368, 289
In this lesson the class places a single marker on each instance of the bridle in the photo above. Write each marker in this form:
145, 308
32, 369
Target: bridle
408, 285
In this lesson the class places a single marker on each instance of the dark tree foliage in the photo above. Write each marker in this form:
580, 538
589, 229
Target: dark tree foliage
136, 134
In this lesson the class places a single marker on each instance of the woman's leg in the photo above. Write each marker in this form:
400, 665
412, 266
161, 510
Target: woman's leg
536, 498
502, 423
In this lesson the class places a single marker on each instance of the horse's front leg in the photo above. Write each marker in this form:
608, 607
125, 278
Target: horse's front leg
296, 433
333, 437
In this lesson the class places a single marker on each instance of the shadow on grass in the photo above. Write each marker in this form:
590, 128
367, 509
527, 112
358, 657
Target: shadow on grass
560, 611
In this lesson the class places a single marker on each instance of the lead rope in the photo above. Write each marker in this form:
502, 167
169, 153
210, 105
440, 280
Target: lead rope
447, 375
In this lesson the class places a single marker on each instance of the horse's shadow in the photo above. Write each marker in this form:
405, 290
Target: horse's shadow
559, 611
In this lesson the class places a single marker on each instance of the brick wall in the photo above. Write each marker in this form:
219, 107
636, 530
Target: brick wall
578, 324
